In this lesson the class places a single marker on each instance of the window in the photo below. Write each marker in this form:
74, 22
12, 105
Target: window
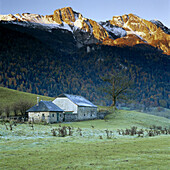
43, 116
84, 114
52, 115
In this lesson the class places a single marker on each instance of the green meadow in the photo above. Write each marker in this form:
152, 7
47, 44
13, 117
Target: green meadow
53, 153
25, 147
8, 97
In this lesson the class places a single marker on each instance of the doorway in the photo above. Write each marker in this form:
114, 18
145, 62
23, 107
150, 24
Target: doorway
57, 117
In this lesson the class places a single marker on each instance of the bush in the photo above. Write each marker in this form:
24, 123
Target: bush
62, 131
152, 131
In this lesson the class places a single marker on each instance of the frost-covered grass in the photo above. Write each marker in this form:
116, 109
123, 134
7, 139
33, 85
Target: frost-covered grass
27, 148
25, 132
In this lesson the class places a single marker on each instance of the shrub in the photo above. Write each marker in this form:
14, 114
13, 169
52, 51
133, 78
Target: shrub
70, 131
79, 131
62, 131
109, 134
133, 130
53, 132
140, 133
152, 131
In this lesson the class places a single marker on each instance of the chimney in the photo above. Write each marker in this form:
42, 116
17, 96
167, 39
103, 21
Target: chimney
37, 101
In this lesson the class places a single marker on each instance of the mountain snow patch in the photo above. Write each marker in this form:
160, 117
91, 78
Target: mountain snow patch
119, 32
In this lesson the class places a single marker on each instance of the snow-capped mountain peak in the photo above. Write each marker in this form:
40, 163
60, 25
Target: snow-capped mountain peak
120, 30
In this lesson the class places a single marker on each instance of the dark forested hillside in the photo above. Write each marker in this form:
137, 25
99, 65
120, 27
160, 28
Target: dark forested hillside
46, 63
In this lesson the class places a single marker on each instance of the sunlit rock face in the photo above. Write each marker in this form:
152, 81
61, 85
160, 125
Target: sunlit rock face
125, 30
92, 31
152, 32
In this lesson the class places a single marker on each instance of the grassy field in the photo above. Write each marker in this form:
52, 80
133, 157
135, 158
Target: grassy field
9, 96
125, 119
145, 153
24, 148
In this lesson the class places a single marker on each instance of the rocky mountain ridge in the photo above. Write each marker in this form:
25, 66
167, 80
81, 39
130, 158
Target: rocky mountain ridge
125, 30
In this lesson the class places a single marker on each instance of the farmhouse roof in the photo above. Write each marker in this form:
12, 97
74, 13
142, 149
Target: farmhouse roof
45, 106
78, 100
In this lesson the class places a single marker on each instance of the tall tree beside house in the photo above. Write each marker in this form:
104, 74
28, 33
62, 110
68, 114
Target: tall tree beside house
23, 106
118, 84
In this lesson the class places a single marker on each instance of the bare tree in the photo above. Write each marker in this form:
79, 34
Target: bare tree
15, 109
1, 111
7, 111
118, 84
23, 106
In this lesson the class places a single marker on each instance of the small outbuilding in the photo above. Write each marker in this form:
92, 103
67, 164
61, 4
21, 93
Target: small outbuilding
76, 107
45, 111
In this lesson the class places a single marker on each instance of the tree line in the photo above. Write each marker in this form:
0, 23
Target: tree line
18, 108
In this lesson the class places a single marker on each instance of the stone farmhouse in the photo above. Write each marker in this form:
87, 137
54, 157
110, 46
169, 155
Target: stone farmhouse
45, 111
64, 108
76, 107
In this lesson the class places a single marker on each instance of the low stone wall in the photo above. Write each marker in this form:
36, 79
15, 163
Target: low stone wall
74, 117
19, 119
102, 114
70, 117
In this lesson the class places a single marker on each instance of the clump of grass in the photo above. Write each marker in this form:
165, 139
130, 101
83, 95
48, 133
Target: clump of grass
70, 133
79, 131
152, 131
109, 134
53, 132
133, 130
62, 131
31, 124
10, 125
140, 133
6, 126
100, 137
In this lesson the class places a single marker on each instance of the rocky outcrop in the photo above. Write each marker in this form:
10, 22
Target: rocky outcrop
64, 15
155, 34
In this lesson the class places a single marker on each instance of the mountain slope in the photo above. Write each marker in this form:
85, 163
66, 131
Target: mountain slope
47, 59
29, 63
86, 31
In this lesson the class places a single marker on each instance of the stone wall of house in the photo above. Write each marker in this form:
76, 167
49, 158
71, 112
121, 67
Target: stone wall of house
70, 117
85, 113
49, 117
66, 104
55, 117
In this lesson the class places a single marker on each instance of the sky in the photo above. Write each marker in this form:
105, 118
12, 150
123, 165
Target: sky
98, 10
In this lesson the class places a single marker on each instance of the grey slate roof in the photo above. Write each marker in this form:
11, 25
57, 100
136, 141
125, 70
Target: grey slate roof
45, 106
78, 100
